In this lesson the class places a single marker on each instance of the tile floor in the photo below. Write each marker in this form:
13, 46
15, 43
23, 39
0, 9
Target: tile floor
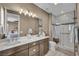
55, 53
54, 50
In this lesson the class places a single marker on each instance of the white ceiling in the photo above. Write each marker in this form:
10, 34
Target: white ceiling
58, 9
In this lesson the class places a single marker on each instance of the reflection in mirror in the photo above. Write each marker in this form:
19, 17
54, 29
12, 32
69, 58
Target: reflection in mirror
12, 25
12, 22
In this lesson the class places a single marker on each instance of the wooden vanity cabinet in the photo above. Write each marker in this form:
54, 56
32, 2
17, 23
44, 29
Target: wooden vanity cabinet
16, 51
38, 48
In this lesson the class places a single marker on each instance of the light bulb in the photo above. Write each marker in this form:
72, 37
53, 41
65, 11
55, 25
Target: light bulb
29, 14
26, 12
21, 11
34, 15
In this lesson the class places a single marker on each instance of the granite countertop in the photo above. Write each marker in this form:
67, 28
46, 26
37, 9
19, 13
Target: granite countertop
4, 44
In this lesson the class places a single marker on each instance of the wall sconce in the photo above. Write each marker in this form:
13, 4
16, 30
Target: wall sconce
27, 12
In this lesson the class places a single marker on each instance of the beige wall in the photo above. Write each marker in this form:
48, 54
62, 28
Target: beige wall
28, 22
41, 14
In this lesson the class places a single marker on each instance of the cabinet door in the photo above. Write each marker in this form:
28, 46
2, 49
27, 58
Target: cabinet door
15, 51
41, 48
22, 50
46, 45
22, 53
7, 52
33, 50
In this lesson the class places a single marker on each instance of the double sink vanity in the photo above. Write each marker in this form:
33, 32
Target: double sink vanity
24, 46
22, 35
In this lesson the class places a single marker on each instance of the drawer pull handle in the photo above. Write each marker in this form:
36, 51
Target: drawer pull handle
34, 50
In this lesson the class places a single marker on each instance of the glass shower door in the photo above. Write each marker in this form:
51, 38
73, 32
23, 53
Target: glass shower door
65, 33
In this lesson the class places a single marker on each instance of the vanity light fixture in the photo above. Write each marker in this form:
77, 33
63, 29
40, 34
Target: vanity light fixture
27, 12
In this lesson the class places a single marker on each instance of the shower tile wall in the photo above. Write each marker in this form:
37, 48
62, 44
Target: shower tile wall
65, 33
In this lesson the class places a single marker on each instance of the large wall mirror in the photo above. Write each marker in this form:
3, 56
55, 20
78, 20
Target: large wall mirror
13, 21
9, 21
12, 24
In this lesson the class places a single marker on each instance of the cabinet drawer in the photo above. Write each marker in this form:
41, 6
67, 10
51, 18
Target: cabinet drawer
23, 47
22, 53
8, 52
33, 44
33, 50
